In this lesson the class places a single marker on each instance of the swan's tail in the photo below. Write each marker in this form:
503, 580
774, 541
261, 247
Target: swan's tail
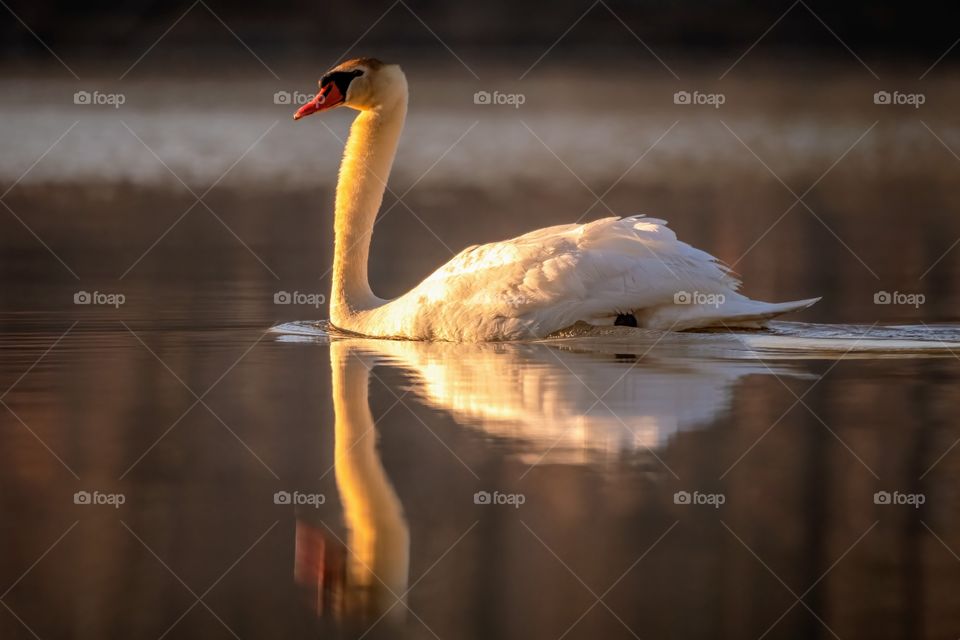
733, 312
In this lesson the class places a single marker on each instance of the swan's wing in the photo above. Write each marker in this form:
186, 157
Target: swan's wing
551, 278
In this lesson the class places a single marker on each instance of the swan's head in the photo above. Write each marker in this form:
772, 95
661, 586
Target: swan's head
363, 84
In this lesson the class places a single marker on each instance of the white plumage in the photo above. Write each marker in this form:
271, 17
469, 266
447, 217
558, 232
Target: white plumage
549, 279
527, 287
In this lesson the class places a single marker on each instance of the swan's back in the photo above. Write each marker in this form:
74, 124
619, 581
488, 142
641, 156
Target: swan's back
548, 279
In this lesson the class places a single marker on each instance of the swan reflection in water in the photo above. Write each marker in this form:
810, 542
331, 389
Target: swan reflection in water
569, 402
367, 580
547, 403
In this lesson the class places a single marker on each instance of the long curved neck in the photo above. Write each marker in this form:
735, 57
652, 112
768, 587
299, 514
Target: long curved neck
366, 164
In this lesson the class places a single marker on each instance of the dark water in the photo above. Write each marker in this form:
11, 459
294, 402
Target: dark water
184, 405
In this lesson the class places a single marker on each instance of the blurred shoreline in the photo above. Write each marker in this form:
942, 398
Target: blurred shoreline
592, 124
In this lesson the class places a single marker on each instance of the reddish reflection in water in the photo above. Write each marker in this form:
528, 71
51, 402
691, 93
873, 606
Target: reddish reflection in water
319, 569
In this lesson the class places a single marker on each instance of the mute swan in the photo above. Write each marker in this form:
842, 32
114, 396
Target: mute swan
629, 271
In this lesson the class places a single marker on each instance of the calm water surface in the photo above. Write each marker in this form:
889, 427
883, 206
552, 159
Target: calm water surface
283, 483
593, 437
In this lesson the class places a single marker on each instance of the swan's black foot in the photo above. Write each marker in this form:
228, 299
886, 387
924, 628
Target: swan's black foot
625, 320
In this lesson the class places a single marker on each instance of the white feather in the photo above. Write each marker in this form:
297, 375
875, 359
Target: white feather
549, 279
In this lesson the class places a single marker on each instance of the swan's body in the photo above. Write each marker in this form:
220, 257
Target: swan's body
527, 287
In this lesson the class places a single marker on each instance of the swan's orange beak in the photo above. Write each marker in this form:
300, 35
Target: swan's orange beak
328, 98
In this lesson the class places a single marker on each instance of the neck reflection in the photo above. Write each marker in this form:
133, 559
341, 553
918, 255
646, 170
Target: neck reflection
368, 579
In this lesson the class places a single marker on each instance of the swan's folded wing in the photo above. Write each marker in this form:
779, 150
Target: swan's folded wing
550, 278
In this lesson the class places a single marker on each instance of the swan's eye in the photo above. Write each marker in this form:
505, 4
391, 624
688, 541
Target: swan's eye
341, 78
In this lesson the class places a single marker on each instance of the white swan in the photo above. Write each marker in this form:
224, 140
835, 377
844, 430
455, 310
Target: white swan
611, 271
